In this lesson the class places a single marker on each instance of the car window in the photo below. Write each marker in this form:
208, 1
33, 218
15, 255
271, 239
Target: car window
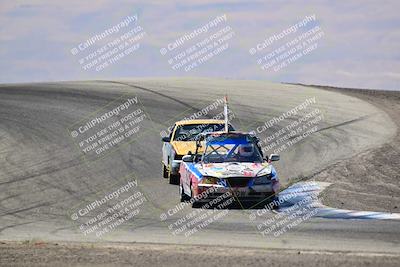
219, 153
190, 132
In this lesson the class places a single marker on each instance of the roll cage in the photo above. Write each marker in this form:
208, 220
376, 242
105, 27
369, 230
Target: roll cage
206, 137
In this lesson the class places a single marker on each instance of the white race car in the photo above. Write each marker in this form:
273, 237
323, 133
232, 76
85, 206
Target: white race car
231, 161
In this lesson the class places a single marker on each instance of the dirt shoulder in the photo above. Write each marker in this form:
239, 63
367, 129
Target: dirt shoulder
370, 180
137, 254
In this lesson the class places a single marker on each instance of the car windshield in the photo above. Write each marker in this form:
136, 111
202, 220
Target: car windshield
191, 131
220, 152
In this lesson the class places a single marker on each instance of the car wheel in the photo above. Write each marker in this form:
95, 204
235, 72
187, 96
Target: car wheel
195, 204
184, 197
173, 178
276, 200
165, 171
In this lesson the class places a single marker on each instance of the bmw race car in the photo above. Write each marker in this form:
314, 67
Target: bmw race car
182, 140
231, 161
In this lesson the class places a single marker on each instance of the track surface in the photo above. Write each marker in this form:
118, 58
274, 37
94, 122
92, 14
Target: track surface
42, 175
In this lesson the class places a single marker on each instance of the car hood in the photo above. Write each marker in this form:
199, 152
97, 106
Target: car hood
183, 147
234, 169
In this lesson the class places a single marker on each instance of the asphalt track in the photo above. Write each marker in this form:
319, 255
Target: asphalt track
43, 176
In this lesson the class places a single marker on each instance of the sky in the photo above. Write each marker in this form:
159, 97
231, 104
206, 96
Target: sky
359, 47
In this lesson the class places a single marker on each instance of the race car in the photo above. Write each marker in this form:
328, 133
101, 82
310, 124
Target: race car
231, 161
181, 141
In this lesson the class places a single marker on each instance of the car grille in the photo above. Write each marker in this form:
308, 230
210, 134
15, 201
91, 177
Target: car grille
237, 181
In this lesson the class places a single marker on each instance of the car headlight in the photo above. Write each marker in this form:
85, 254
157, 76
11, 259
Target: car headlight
264, 179
266, 171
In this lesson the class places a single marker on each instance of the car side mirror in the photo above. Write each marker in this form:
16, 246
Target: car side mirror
187, 158
274, 157
166, 139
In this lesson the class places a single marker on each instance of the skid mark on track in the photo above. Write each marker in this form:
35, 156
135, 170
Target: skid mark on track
301, 191
156, 93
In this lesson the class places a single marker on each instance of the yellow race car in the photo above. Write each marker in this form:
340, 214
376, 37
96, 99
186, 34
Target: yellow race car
182, 141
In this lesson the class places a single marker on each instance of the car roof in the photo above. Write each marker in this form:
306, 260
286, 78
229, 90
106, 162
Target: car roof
199, 121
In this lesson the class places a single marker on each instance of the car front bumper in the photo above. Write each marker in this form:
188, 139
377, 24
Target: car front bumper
253, 193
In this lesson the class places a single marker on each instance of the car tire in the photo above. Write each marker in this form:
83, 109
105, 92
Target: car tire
195, 204
165, 171
276, 199
173, 178
184, 197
